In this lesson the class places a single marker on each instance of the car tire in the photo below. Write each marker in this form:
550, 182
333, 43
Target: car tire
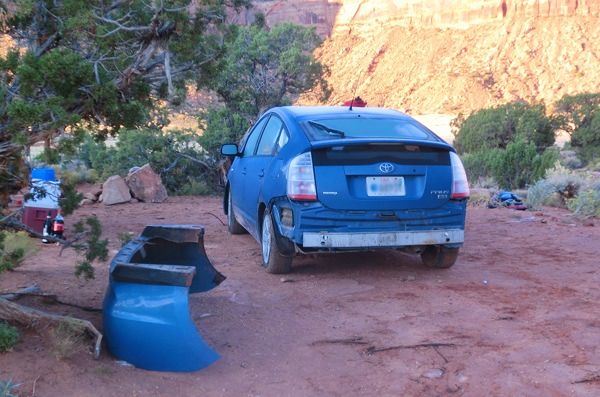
273, 261
439, 257
232, 224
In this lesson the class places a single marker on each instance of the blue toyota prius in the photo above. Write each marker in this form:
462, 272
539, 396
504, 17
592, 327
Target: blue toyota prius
324, 179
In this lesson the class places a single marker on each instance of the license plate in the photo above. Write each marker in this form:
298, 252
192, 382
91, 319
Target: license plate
385, 186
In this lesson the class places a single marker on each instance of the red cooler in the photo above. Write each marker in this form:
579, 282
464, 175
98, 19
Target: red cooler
36, 209
35, 217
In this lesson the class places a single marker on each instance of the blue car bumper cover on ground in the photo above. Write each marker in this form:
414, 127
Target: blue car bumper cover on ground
146, 307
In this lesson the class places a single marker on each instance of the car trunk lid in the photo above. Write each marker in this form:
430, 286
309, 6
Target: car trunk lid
382, 175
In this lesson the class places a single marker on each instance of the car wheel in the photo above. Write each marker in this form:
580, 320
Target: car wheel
273, 261
439, 257
232, 225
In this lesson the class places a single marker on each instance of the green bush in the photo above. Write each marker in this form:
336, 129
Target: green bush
495, 128
580, 116
513, 144
594, 165
78, 172
515, 167
222, 126
194, 188
92, 176
174, 155
477, 165
9, 336
520, 164
48, 156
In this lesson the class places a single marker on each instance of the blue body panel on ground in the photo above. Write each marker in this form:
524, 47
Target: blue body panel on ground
147, 321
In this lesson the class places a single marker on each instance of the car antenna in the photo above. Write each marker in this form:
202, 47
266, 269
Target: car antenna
354, 93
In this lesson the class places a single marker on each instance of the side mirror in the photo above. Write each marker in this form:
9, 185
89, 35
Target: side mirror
229, 149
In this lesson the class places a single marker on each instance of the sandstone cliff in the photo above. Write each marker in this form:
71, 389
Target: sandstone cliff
451, 56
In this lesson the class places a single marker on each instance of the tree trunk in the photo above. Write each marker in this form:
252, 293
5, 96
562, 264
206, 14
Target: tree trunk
28, 317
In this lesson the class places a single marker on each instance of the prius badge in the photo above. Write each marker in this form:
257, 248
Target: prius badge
386, 168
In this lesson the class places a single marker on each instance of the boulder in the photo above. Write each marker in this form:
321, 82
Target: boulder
146, 186
91, 196
115, 191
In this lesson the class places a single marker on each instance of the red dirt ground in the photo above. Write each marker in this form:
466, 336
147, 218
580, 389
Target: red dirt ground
517, 315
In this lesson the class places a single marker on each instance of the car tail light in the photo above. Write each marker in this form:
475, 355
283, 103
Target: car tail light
460, 185
301, 178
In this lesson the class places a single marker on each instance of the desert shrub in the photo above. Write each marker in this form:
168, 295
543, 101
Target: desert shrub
484, 182
569, 159
194, 188
6, 388
124, 238
539, 194
67, 339
565, 182
9, 336
577, 191
479, 199
594, 165
572, 163
586, 204
14, 248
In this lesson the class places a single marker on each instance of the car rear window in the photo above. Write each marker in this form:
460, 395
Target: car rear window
371, 154
366, 128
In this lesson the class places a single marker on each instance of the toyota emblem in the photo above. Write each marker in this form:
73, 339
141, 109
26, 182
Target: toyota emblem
386, 168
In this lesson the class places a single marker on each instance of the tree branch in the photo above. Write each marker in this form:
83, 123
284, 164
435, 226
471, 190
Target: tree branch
48, 43
179, 156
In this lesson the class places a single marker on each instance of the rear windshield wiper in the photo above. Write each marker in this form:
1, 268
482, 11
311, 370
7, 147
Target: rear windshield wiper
329, 130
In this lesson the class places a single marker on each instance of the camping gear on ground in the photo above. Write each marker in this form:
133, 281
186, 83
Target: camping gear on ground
506, 199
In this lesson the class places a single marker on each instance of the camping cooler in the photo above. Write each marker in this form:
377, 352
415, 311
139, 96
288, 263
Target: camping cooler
36, 210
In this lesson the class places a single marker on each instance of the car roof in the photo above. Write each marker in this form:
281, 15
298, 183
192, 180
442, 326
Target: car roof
300, 112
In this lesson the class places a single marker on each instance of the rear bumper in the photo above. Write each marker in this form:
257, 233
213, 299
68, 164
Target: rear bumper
314, 227
382, 239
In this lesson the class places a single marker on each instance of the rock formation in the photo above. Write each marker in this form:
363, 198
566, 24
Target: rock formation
146, 186
142, 184
452, 56
327, 15
115, 191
